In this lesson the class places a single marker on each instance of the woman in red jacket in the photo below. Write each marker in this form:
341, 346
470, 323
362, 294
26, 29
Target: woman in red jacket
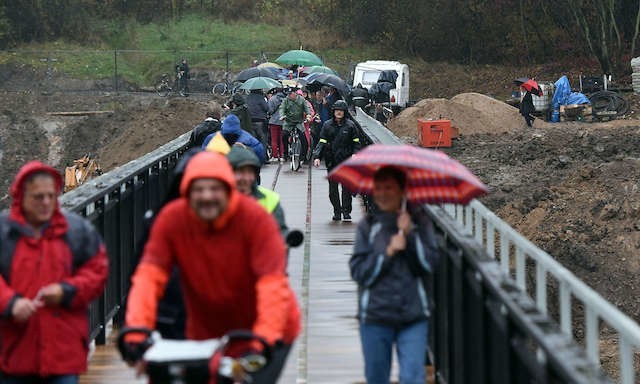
231, 259
52, 265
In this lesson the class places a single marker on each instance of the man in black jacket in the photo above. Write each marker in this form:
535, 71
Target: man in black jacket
211, 124
339, 140
257, 104
183, 77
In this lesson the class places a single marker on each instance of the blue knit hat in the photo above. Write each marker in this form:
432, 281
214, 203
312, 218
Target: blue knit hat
231, 124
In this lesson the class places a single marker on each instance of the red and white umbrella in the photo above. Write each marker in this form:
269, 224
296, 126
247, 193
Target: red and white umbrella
432, 176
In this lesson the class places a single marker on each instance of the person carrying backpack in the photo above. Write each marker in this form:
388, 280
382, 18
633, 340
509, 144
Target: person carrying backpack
339, 139
211, 124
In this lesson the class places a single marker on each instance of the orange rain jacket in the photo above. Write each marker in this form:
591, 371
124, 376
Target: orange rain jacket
232, 269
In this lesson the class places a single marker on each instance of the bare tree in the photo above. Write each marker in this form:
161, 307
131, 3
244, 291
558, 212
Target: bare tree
599, 23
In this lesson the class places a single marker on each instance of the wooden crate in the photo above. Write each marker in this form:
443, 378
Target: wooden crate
576, 112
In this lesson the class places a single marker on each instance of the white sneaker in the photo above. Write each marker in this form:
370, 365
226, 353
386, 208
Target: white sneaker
282, 159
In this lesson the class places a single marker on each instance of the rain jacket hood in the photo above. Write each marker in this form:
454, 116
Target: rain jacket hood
239, 157
231, 125
211, 165
17, 188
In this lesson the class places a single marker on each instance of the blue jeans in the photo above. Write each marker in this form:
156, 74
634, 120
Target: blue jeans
65, 379
411, 344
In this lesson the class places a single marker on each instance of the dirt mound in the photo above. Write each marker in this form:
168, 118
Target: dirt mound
471, 113
138, 124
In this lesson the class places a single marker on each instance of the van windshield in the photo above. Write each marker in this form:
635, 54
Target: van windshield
370, 77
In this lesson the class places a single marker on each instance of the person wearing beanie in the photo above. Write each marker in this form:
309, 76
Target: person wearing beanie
246, 169
233, 133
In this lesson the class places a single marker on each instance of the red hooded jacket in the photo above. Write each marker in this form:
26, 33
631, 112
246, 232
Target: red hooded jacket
54, 341
232, 269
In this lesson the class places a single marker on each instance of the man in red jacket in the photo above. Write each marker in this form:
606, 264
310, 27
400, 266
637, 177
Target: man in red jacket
231, 259
52, 265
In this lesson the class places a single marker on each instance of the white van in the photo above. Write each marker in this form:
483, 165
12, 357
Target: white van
367, 72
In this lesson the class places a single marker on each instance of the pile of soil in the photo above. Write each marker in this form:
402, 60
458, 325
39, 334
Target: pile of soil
471, 113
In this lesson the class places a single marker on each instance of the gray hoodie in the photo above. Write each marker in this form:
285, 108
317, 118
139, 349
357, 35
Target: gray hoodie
274, 106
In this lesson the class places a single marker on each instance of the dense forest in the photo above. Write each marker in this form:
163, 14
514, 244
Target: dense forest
460, 31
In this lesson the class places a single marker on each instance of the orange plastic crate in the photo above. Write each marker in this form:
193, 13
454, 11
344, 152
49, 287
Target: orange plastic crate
434, 133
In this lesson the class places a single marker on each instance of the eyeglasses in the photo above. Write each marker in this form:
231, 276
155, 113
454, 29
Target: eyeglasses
41, 196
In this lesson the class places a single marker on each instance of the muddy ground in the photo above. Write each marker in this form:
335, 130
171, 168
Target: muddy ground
571, 188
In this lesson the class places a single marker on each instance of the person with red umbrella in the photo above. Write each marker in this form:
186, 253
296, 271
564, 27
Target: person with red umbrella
393, 262
527, 108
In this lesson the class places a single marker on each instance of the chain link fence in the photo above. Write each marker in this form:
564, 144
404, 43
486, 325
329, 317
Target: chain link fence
121, 71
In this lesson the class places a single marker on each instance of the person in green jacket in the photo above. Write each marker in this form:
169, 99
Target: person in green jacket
294, 111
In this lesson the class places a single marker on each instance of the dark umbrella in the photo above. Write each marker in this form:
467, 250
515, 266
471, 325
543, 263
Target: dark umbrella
330, 80
432, 176
248, 73
520, 80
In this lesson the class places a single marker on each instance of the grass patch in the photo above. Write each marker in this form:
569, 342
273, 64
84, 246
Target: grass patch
145, 51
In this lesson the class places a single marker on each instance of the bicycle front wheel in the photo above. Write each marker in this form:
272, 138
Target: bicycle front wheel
296, 148
163, 90
219, 89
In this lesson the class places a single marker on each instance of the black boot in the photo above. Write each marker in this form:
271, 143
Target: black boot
336, 216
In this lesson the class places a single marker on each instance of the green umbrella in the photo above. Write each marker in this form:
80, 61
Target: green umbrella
320, 69
261, 82
299, 57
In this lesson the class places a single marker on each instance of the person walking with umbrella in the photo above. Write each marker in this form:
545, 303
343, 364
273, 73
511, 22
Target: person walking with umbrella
395, 255
393, 263
526, 105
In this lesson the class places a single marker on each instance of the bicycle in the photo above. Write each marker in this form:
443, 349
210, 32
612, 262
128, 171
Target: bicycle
164, 89
295, 149
190, 361
226, 88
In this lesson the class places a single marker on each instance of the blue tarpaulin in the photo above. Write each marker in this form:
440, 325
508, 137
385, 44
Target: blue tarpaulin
564, 96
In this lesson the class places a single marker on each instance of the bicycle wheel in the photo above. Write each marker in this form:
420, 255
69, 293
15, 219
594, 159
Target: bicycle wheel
296, 148
219, 89
269, 152
163, 90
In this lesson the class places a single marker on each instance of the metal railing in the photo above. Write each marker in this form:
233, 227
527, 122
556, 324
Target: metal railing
116, 203
487, 327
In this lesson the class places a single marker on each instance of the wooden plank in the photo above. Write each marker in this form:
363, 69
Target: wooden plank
78, 113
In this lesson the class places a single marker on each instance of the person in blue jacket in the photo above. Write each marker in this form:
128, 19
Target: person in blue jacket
232, 133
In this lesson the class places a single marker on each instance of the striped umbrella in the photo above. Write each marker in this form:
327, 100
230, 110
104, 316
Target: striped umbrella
432, 176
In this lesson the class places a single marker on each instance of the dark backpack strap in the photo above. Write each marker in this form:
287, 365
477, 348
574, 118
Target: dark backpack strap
7, 246
83, 240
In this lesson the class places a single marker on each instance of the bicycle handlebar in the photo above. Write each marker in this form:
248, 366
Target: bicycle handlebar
206, 351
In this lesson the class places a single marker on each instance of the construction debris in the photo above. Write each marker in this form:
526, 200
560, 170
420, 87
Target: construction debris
82, 170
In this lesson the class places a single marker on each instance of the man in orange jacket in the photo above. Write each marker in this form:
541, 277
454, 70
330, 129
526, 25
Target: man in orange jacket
231, 258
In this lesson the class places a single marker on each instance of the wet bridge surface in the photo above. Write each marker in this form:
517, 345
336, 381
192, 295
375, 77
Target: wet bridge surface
328, 350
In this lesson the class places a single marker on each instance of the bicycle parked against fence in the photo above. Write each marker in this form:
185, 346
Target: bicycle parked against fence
165, 88
226, 87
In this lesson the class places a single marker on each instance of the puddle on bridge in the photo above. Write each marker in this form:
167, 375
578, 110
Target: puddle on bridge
340, 242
